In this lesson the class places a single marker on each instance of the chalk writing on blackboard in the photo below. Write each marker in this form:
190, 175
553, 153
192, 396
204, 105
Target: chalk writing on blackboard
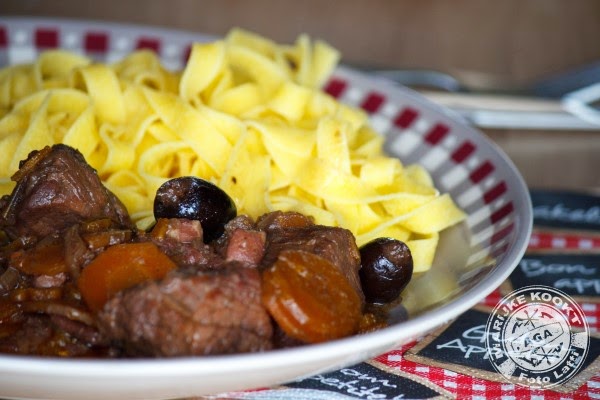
365, 381
471, 343
578, 275
567, 210
561, 212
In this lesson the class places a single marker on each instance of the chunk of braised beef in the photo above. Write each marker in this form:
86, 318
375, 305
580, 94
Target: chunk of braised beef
246, 246
37, 335
27, 337
181, 240
77, 253
78, 331
180, 229
56, 188
189, 255
242, 221
191, 312
276, 220
241, 241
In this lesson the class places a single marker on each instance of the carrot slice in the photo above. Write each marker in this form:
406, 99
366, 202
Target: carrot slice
119, 267
44, 259
310, 298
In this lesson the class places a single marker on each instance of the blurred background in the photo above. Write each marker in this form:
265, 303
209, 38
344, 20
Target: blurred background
502, 64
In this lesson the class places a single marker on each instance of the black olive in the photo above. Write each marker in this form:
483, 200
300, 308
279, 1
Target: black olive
194, 198
386, 268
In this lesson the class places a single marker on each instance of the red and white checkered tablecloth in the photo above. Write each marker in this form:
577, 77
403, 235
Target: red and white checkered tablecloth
468, 387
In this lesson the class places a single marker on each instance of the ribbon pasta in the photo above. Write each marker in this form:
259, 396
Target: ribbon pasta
245, 113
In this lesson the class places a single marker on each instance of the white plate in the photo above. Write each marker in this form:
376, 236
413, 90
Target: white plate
473, 259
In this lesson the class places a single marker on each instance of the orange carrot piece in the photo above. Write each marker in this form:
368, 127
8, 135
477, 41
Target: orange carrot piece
119, 267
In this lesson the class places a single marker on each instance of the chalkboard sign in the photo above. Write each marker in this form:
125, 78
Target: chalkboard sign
366, 381
565, 210
461, 347
462, 343
578, 275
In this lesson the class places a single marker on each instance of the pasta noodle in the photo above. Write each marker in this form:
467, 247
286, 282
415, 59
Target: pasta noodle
245, 113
